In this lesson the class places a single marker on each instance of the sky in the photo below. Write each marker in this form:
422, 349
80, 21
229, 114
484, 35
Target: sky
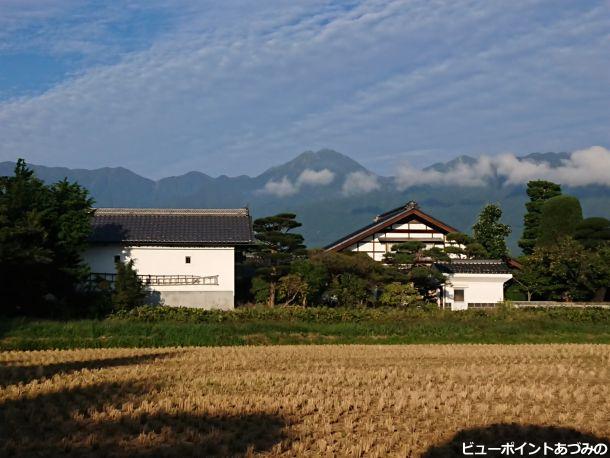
235, 87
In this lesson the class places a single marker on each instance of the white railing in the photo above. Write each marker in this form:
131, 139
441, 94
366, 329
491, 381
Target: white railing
161, 280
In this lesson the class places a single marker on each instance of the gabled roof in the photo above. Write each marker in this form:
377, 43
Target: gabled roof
473, 266
411, 209
172, 226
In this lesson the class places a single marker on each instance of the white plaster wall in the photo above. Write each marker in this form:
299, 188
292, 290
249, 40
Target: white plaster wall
478, 288
205, 261
149, 260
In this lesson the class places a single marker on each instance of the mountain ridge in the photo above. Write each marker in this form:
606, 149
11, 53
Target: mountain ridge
326, 210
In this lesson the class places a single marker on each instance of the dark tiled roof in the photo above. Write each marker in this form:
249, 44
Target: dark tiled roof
411, 205
473, 266
173, 227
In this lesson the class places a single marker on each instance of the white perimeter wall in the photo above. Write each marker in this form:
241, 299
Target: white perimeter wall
149, 260
478, 288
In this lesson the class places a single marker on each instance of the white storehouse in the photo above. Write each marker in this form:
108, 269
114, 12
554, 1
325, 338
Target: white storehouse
185, 257
473, 283
470, 283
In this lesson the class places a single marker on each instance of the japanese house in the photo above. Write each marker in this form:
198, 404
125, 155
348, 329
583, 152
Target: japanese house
470, 283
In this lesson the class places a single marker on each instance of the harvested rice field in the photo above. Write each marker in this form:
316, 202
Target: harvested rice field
420, 400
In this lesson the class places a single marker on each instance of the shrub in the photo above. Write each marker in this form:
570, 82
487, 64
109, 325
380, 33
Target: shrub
399, 295
260, 290
128, 289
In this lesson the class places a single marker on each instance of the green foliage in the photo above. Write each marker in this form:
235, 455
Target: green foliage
515, 292
539, 191
468, 247
427, 280
43, 231
399, 295
158, 326
128, 291
260, 290
490, 233
350, 279
277, 249
593, 232
565, 271
293, 289
406, 254
349, 290
460, 238
412, 260
559, 218
337, 279
316, 276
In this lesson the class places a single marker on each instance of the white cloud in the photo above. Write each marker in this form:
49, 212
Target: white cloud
308, 177
311, 177
359, 183
282, 188
584, 167
229, 87
462, 175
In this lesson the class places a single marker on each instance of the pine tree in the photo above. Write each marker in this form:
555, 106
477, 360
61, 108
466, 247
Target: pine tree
277, 249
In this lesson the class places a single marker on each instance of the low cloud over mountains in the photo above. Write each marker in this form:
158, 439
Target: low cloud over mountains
332, 194
308, 177
585, 167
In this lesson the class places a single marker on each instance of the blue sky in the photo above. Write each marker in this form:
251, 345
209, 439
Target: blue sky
237, 86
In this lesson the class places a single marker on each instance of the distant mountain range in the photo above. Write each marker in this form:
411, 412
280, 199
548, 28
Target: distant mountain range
331, 193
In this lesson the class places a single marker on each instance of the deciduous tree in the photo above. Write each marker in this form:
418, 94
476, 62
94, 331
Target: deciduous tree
565, 271
490, 233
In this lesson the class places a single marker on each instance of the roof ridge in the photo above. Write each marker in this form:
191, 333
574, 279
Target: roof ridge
171, 211
411, 205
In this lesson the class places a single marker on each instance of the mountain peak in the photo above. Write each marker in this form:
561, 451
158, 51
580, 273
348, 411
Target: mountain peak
552, 159
444, 167
329, 159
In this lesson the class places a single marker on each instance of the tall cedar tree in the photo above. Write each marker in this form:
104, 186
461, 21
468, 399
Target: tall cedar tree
539, 191
559, 218
43, 231
490, 232
277, 249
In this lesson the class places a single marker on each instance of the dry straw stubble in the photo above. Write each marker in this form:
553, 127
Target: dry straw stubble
294, 400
